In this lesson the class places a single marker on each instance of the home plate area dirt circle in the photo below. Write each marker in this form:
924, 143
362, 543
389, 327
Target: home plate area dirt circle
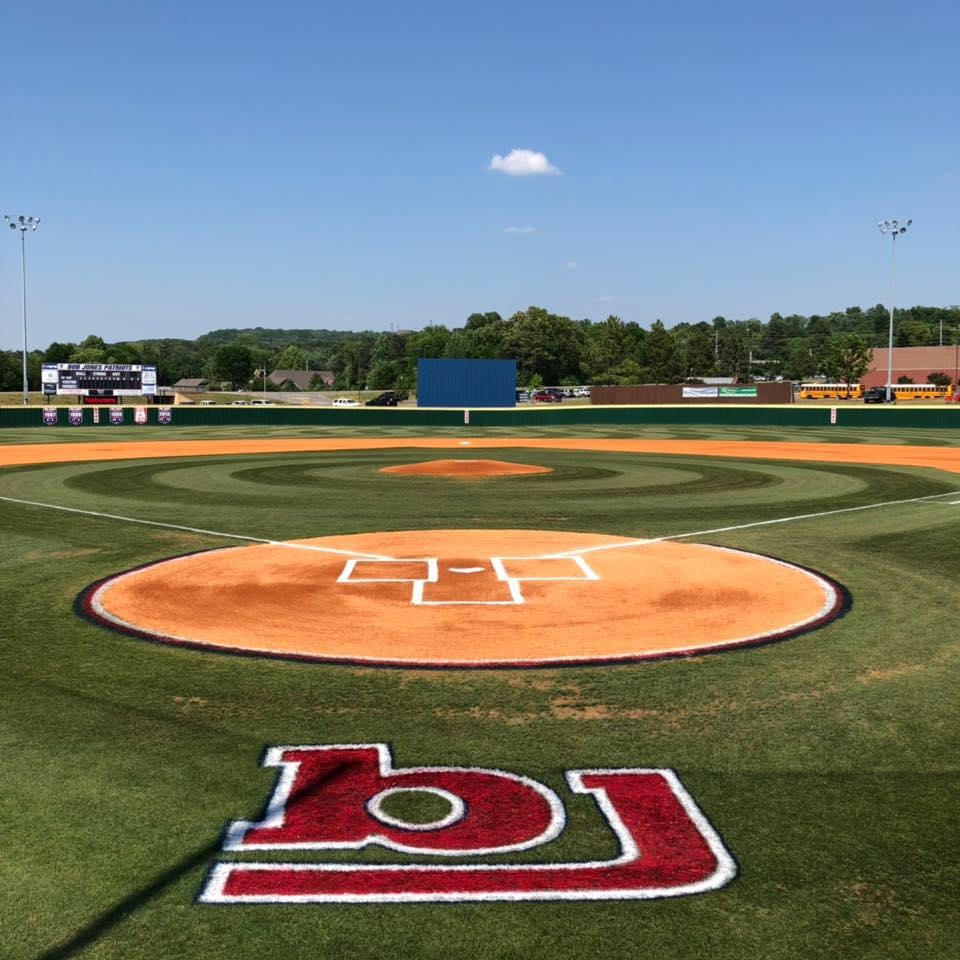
466, 598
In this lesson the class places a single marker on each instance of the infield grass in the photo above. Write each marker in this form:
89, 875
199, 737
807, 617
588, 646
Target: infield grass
827, 762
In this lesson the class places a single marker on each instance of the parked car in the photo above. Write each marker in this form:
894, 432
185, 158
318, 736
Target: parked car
523, 396
545, 396
207, 403
260, 402
878, 395
582, 392
346, 402
239, 403
387, 399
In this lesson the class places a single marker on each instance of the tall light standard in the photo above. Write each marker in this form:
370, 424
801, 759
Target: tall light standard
23, 224
893, 227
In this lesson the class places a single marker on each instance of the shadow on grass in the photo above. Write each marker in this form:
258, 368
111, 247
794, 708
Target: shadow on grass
101, 925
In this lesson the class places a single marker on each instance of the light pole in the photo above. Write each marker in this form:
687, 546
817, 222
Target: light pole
893, 227
22, 224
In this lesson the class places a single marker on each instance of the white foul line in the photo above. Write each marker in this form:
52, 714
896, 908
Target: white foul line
745, 526
546, 556
208, 533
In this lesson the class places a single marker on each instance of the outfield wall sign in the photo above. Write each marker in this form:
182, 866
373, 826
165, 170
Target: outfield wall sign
116, 416
691, 393
738, 391
50, 416
336, 798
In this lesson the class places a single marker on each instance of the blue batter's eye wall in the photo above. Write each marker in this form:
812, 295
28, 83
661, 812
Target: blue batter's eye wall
466, 383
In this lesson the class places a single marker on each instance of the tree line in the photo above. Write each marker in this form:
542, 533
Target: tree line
549, 349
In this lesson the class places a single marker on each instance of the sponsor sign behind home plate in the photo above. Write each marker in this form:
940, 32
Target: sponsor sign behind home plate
467, 598
331, 798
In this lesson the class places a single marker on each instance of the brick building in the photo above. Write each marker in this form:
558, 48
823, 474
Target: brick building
913, 362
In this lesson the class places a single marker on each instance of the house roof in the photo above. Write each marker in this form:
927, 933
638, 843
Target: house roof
190, 382
302, 378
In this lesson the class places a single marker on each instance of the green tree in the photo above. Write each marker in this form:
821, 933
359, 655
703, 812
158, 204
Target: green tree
734, 359
605, 345
428, 343
697, 353
59, 352
625, 373
846, 358
661, 356
940, 379
542, 343
11, 370
798, 362
291, 358
233, 363
89, 355
911, 332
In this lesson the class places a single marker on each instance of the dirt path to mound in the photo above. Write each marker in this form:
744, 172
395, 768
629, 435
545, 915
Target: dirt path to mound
937, 458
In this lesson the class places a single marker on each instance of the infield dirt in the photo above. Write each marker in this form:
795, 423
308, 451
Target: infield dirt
938, 458
467, 598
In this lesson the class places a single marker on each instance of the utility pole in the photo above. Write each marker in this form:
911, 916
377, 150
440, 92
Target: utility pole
22, 224
893, 227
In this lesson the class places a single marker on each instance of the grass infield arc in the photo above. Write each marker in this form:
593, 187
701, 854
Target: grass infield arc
485, 599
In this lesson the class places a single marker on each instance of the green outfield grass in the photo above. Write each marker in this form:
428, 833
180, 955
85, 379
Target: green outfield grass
828, 762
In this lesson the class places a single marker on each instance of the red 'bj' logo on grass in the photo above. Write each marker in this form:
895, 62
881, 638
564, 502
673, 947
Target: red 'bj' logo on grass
333, 797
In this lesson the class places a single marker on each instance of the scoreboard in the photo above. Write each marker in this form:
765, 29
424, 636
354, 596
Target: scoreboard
107, 379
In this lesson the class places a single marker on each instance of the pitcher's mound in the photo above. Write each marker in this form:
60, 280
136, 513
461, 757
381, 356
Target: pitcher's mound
465, 469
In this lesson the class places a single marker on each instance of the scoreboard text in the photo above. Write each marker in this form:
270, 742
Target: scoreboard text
117, 379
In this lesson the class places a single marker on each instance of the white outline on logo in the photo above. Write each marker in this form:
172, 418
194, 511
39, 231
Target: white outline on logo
274, 814
726, 869
458, 809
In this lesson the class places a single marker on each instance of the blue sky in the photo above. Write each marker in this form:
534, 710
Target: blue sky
201, 165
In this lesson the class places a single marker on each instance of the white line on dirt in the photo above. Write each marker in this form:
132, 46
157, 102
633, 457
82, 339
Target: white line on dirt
208, 533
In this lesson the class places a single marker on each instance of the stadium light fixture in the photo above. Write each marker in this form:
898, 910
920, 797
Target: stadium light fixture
892, 227
23, 224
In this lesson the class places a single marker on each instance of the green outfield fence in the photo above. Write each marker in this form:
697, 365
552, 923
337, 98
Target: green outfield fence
792, 415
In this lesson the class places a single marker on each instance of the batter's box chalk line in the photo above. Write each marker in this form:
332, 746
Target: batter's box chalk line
353, 571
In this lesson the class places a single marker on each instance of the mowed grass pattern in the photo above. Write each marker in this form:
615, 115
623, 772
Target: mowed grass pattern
827, 762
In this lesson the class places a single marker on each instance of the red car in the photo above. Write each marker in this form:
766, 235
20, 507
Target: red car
545, 396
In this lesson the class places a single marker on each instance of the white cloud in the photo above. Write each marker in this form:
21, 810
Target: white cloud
519, 231
570, 265
523, 163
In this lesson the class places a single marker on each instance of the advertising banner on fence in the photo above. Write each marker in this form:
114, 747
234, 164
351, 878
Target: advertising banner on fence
139, 414
116, 416
49, 416
691, 392
75, 417
738, 391
96, 414
164, 415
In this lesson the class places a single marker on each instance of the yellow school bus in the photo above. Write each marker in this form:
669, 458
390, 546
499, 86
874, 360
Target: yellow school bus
830, 391
919, 391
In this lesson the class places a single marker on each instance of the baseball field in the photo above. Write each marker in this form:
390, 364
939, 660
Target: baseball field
663, 692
